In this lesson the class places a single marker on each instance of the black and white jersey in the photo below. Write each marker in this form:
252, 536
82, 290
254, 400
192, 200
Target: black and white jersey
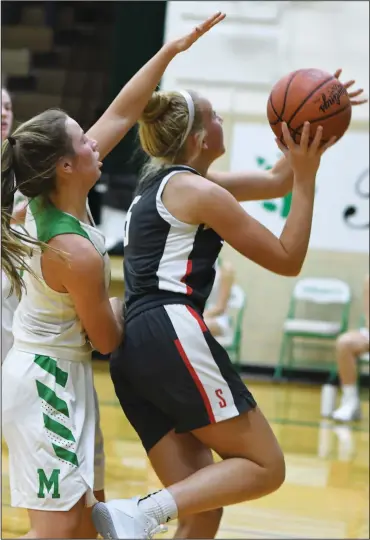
164, 257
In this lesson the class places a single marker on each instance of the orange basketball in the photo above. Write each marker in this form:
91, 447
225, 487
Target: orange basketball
309, 95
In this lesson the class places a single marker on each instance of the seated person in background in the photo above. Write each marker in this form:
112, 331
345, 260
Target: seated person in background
215, 314
349, 346
9, 302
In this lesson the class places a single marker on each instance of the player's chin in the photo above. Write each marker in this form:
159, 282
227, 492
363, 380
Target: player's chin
221, 150
96, 177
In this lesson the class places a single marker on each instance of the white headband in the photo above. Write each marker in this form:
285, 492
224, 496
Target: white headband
191, 111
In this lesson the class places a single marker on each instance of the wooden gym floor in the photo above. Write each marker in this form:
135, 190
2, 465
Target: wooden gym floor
326, 493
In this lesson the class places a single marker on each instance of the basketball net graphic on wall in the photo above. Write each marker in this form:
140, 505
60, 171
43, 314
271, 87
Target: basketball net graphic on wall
341, 211
352, 214
282, 205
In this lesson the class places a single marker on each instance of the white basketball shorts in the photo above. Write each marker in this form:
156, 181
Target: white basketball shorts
51, 426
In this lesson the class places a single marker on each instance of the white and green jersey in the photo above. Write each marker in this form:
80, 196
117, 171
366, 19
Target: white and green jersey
46, 321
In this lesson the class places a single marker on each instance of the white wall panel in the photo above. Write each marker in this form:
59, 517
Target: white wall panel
239, 61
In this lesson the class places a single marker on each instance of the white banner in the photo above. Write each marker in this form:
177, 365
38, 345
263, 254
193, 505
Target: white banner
341, 214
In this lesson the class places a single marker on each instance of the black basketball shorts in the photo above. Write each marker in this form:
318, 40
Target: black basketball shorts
171, 373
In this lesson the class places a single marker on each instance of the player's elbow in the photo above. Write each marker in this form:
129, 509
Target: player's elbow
107, 347
107, 342
293, 272
105, 350
287, 266
291, 269
290, 262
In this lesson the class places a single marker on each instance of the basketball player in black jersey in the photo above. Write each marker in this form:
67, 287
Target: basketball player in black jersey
175, 383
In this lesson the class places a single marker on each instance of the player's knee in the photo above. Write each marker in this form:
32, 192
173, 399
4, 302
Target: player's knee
347, 342
275, 472
69, 530
278, 473
69, 523
59, 530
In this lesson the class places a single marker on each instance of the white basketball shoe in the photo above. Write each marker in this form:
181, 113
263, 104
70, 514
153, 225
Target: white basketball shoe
348, 411
122, 518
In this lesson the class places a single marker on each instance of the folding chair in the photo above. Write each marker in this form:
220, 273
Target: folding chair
317, 293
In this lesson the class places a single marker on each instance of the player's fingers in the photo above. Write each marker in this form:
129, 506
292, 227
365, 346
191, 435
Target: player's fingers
327, 145
287, 136
217, 20
209, 23
210, 20
358, 101
338, 73
281, 146
305, 136
349, 83
355, 93
316, 141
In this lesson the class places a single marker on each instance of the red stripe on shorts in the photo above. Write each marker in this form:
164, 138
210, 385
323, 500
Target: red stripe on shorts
198, 318
197, 381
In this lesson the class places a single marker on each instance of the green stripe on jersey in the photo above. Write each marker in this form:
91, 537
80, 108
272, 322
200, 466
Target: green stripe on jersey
52, 399
58, 428
66, 455
50, 365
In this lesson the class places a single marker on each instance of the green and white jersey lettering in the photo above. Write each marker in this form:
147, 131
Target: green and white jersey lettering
51, 484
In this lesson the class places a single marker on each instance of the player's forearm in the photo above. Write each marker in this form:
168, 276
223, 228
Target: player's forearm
127, 107
132, 99
256, 185
296, 233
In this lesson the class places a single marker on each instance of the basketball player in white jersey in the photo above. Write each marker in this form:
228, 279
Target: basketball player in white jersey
50, 412
175, 383
9, 302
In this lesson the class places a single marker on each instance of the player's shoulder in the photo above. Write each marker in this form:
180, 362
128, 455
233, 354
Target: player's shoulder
72, 259
76, 250
195, 195
198, 184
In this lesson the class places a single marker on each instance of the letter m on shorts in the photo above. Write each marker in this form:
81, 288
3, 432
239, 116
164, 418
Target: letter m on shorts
51, 484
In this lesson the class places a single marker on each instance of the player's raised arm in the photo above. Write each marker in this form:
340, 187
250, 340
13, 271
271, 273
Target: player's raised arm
127, 107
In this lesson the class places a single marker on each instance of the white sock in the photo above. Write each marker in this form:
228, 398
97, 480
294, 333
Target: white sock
350, 392
159, 505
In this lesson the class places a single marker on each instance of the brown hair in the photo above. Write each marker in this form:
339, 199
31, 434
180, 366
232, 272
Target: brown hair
28, 164
15, 248
162, 127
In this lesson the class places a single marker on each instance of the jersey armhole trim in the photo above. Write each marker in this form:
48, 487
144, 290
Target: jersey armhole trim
162, 210
51, 222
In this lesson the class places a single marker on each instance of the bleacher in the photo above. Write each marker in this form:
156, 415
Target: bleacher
55, 54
